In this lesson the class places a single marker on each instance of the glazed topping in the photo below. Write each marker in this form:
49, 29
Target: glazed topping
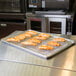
32, 32
27, 35
40, 37
29, 43
34, 40
59, 39
53, 43
45, 47
44, 35
13, 39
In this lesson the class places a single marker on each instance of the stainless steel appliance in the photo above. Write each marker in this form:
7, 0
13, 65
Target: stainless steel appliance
36, 22
60, 24
12, 16
35, 3
52, 4
12, 6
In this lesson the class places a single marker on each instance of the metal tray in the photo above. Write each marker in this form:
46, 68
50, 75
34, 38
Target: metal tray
34, 49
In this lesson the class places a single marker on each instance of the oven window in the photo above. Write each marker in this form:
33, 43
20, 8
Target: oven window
36, 25
55, 27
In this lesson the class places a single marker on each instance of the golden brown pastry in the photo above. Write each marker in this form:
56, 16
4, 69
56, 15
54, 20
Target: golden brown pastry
40, 37
27, 35
32, 32
53, 43
29, 43
17, 38
45, 47
44, 35
59, 39
34, 40
20, 37
13, 40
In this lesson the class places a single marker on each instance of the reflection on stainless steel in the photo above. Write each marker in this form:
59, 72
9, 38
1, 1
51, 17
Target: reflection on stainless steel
57, 72
66, 60
69, 63
65, 73
69, 59
73, 38
17, 69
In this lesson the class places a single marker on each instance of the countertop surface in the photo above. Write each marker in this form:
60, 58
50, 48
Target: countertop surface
16, 60
17, 69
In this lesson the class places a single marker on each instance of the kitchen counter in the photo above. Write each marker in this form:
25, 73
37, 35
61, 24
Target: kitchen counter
60, 64
17, 69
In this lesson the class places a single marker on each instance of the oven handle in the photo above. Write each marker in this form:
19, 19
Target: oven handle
3, 25
70, 22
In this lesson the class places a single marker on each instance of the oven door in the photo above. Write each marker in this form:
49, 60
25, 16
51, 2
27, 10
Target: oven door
37, 23
57, 25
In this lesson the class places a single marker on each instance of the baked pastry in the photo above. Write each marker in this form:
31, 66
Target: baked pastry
20, 37
53, 43
13, 40
59, 39
27, 35
40, 37
44, 35
34, 40
17, 38
45, 47
32, 32
29, 43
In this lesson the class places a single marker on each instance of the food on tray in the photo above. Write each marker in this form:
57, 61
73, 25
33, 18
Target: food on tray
29, 43
44, 35
34, 40
13, 39
53, 43
20, 37
59, 39
17, 38
40, 37
32, 32
45, 47
27, 35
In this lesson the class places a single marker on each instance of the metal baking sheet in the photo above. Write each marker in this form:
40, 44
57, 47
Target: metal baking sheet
34, 49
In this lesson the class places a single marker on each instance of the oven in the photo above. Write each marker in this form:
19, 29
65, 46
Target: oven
51, 4
7, 28
12, 16
12, 6
59, 24
38, 23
